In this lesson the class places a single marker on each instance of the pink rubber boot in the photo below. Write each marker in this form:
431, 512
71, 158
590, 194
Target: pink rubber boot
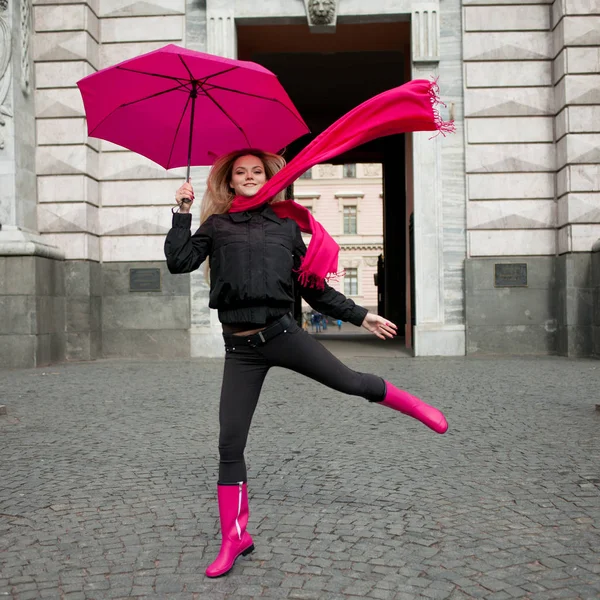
235, 540
413, 407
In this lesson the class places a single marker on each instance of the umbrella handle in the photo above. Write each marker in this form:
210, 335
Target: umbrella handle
193, 96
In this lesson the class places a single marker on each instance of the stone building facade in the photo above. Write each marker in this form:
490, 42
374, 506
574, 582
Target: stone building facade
506, 211
347, 201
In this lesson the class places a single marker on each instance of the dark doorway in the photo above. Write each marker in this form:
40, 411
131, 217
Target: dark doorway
328, 75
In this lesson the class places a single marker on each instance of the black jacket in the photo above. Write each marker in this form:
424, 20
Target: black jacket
253, 258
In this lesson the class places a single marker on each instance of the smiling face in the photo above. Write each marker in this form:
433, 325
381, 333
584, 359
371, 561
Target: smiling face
247, 176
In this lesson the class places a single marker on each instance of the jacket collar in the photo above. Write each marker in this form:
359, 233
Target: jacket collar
265, 210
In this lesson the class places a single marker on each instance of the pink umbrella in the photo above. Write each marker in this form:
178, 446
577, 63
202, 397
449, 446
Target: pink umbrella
178, 107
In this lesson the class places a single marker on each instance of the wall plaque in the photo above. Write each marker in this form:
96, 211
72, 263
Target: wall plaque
510, 275
144, 280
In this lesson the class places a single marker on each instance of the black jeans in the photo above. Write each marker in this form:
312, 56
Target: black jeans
245, 370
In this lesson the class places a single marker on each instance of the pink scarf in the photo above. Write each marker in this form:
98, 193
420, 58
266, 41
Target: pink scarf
410, 107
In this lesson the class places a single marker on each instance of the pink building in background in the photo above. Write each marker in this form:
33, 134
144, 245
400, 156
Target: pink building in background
347, 201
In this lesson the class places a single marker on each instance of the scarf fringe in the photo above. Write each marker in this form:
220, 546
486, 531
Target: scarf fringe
312, 280
441, 126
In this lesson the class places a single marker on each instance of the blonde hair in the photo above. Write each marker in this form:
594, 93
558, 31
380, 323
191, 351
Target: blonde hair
219, 195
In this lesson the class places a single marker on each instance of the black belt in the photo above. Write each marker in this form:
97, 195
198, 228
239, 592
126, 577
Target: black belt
261, 337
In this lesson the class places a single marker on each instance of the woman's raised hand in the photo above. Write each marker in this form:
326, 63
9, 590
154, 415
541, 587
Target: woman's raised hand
381, 327
184, 197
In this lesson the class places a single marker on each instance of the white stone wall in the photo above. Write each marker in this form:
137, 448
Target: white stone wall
96, 200
576, 70
532, 97
509, 109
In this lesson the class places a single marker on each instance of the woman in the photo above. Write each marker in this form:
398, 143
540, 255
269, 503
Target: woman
255, 261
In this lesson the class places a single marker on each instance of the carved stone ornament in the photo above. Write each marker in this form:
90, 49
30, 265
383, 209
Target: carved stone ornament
370, 261
321, 12
327, 171
5, 52
25, 45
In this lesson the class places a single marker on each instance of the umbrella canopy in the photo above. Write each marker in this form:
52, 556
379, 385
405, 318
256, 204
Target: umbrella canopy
179, 107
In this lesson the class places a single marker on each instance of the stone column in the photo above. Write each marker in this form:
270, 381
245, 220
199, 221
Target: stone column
576, 36
31, 271
432, 335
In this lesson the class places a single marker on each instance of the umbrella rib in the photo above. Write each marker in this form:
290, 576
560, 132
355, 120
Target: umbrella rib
225, 89
178, 79
228, 116
133, 102
205, 79
177, 131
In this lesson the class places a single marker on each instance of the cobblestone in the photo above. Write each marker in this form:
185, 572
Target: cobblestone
107, 486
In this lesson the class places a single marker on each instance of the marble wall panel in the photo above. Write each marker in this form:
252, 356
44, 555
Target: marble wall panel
578, 148
510, 186
561, 124
135, 8
138, 220
578, 238
137, 311
579, 208
128, 165
68, 217
578, 89
93, 4
64, 102
511, 214
52, 132
581, 31
509, 102
132, 248
76, 246
67, 188
584, 119
524, 242
508, 74
67, 160
141, 192
493, 46
67, 46
74, 17
498, 158
501, 130
583, 60
142, 29
111, 54
498, 18
61, 74
578, 178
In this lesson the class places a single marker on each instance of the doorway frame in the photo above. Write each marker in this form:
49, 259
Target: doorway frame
432, 335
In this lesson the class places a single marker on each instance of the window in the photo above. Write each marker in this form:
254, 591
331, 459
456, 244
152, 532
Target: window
350, 170
351, 282
306, 175
349, 219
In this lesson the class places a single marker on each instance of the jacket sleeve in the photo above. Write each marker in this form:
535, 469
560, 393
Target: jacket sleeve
327, 301
186, 252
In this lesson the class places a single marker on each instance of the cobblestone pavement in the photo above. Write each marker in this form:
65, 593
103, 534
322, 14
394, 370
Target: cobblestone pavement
108, 469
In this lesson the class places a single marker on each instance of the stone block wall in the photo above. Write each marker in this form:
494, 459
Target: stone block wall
83, 293
575, 295
511, 320
32, 311
144, 324
596, 300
